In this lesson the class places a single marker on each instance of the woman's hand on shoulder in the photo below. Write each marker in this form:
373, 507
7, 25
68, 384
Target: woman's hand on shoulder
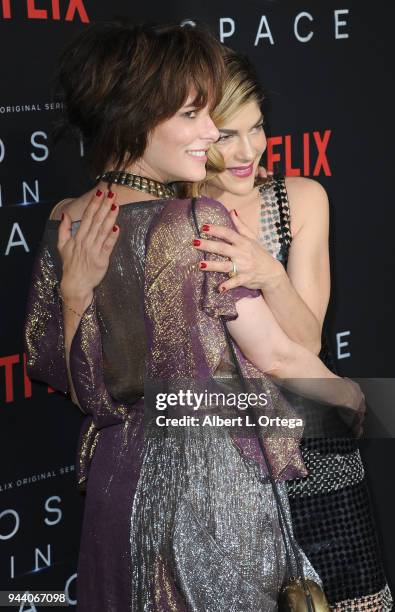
255, 267
86, 255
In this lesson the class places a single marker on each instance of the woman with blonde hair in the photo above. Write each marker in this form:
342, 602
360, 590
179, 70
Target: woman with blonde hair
280, 246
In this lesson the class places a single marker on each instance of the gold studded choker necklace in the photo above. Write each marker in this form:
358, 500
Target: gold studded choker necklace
141, 183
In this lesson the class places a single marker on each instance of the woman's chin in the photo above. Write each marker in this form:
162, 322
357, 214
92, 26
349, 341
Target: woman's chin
194, 176
242, 187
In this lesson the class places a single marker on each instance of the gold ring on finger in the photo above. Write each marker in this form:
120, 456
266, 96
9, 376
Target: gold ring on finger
233, 271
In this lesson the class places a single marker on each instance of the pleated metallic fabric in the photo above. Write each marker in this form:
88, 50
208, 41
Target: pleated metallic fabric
169, 523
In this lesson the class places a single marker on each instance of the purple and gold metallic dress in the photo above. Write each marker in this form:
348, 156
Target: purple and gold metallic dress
171, 523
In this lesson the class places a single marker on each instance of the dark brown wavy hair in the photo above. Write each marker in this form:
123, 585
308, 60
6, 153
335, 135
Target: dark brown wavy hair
118, 81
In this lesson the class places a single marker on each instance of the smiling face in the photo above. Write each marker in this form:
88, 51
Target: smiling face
177, 148
241, 143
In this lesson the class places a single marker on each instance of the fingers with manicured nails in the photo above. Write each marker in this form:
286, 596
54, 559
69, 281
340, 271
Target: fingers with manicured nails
64, 231
225, 266
101, 216
86, 257
111, 239
235, 281
86, 219
224, 232
215, 246
106, 227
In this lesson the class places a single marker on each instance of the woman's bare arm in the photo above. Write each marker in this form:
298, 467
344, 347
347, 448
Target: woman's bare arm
85, 258
299, 296
263, 342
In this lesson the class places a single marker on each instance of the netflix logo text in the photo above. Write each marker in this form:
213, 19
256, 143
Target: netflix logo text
14, 380
312, 148
51, 10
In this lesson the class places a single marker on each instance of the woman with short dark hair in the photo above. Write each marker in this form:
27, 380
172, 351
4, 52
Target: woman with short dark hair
119, 81
140, 96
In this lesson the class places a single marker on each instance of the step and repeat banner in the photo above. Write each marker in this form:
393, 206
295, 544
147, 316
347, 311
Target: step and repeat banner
327, 72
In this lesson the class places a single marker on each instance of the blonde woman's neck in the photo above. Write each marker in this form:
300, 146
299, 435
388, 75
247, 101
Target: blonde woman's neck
232, 200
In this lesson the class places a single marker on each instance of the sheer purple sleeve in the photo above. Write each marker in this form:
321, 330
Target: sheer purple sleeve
45, 350
43, 331
87, 372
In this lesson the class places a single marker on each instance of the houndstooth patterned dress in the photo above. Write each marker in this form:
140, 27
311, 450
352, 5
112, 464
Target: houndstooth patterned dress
330, 507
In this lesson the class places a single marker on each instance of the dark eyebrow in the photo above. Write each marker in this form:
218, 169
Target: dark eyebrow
233, 132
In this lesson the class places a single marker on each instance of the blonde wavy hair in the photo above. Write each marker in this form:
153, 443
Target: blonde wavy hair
240, 86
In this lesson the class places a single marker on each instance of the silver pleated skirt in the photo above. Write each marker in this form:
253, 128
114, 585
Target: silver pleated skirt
205, 529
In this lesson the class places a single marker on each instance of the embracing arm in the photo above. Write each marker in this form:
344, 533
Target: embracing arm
254, 327
84, 358
265, 344
299, 296
73, 312
62, 336
85, 258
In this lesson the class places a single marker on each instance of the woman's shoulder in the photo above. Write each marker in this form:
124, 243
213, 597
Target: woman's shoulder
304, 186
202, 204
181, 214
73, 206
214, 210
307, 200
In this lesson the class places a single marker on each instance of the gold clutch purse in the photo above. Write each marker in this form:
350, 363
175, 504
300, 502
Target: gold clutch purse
293, 597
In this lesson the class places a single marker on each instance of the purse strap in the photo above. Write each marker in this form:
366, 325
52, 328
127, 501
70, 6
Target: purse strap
284, 526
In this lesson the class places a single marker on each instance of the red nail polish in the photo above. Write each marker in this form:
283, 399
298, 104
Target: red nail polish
99, 193
115, 228
196, 242
203, 264
62, 216
222, 289
110, 194
113, 206
205, 227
